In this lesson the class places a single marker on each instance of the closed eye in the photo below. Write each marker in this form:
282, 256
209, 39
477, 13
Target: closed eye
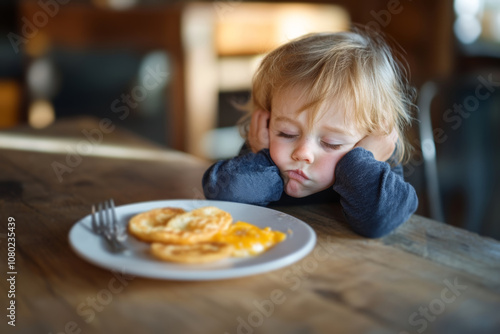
286, 135
331, 146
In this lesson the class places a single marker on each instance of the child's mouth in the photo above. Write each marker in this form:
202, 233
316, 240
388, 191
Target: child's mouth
297, 174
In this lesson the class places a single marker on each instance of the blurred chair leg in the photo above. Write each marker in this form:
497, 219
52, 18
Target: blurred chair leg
427, 94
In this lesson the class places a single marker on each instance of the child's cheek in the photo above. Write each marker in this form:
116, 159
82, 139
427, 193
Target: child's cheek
325, 169
278, 153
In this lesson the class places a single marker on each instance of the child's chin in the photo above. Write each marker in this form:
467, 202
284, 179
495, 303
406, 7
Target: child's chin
294, 189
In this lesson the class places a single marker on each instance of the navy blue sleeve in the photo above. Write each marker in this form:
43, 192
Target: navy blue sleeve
250, 178
375, 199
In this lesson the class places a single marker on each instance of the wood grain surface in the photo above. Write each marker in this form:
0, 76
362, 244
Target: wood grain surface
425, 277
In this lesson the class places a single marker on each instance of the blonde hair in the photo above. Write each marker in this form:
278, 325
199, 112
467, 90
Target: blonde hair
356, 68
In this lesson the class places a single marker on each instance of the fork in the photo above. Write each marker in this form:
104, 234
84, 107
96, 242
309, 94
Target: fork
104, 223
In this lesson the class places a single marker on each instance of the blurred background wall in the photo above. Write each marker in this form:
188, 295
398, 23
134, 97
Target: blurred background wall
172, 70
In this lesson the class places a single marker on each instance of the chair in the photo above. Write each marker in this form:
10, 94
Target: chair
460, 140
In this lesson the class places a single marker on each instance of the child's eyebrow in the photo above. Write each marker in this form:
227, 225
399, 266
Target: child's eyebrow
337, 129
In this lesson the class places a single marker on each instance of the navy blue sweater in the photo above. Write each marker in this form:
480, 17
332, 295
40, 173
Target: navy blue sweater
375, 199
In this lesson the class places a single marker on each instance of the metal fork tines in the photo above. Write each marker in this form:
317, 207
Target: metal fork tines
104, 223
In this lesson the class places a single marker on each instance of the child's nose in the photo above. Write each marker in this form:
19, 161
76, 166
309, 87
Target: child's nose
303, 152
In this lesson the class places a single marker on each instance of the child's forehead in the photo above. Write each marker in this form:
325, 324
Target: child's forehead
292, 102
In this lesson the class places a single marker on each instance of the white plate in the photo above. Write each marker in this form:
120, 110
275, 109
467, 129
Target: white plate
138, 262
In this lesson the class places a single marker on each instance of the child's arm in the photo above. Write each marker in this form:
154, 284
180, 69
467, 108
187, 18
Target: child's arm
248, 178
374, 198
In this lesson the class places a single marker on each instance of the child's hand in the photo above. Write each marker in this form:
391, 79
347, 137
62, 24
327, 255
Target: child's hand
258, 134
382, 147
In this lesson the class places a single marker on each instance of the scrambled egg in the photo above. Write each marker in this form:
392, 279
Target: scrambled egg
248, 239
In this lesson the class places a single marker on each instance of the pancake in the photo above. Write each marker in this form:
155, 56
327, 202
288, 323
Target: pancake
174, 225
201, 252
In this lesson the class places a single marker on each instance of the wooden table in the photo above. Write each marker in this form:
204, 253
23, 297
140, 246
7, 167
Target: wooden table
425, 277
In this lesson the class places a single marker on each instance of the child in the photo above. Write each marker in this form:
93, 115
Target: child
326, 122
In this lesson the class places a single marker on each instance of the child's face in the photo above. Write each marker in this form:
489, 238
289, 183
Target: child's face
307, 156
